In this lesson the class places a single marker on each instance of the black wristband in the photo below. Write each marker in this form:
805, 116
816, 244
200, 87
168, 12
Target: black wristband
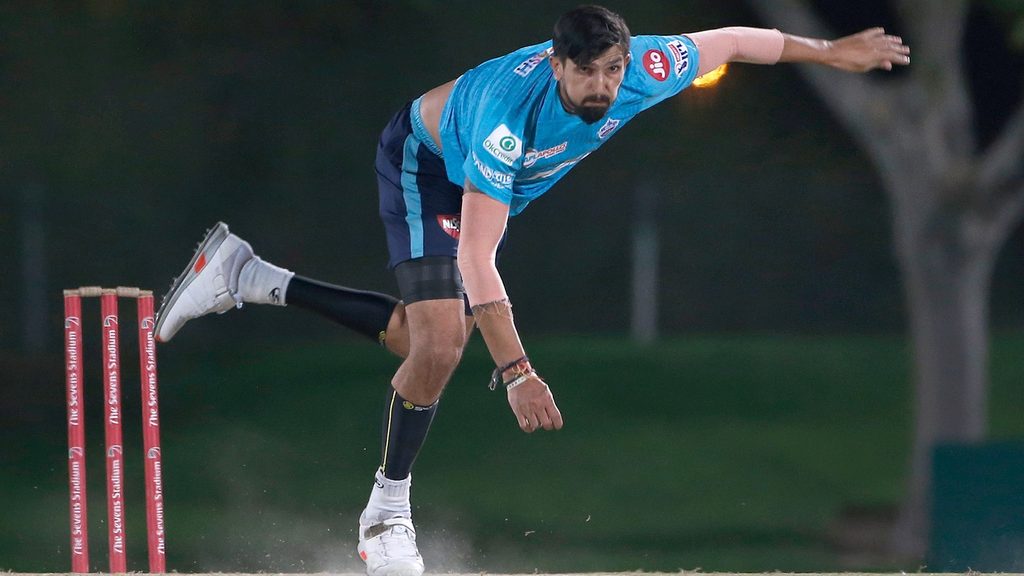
496, 375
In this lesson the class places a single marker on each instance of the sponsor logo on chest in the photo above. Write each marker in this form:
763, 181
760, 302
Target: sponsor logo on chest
504, 145
532, 156
551, 171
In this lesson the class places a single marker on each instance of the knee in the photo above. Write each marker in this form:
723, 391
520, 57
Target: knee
441, 354
426, 371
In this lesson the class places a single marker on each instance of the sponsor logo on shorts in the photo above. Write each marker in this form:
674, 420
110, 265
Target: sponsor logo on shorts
450, 224
654, 64
532, 156
500, 180
609, 125
531, 63
504, 145
680, 55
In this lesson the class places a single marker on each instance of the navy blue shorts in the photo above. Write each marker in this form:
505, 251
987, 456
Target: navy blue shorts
420, 207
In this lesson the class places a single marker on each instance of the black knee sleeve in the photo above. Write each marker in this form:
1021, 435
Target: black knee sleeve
429, 278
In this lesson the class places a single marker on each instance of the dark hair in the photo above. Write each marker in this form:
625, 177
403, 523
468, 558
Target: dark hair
583, 33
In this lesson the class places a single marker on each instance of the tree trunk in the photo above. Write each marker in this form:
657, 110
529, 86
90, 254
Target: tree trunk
947, 273
953, 208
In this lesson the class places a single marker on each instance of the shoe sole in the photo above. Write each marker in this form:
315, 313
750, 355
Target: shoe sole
214, 236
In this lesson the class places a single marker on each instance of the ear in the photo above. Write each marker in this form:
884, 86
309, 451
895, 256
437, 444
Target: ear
628, 59
557, 67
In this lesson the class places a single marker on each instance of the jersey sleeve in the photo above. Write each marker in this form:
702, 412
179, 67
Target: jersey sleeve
495, 155
662, 66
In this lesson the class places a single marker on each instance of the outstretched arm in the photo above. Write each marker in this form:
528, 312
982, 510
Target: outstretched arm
483, 223
860, 52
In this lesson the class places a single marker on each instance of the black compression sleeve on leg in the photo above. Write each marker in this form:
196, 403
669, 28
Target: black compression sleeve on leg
429, 278
405, 428
365, 312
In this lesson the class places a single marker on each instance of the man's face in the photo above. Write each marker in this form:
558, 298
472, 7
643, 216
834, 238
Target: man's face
589, 90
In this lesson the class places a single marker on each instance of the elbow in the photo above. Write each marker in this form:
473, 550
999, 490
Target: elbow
480, 277
469, 260
474, 265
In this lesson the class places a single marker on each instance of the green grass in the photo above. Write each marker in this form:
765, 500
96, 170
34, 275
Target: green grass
723, 453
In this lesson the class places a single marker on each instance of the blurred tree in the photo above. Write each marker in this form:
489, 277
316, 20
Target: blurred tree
954, 204
1012, 12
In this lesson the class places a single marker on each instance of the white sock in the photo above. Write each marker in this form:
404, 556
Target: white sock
261, 282
388, 499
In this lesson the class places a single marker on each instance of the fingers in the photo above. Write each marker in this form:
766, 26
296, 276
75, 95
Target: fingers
535, 408
525, 416
890, 51
550, 417
895, 43
537, 417
898, 52
870, 49
556, 416
525, 424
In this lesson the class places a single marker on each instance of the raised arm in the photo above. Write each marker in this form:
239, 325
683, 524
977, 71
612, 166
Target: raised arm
483, 223
860, 52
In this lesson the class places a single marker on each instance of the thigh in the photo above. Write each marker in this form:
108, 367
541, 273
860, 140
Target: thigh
419, 206
431, 278
434, 324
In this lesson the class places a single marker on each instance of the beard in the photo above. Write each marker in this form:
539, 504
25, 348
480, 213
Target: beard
590, 110
591, 114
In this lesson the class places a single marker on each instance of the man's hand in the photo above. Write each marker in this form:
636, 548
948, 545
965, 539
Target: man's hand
868, 50
860, 52
534, 406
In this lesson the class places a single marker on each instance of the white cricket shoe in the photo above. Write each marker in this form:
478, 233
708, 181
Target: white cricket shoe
389, 548
208, 284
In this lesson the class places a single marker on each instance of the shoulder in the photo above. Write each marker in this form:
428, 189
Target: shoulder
519, 67
507, 88
659, 58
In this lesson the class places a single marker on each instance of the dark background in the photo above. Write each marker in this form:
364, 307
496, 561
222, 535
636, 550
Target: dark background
127, 129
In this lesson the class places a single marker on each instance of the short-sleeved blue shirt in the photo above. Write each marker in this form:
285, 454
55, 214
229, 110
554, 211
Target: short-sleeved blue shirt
505, 130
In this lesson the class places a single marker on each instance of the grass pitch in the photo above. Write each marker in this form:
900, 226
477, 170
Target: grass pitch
707, 454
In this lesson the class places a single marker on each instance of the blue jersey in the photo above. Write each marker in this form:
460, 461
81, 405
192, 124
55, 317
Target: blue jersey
505, 130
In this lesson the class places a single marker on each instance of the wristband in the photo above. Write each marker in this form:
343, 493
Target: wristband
496, 375
522, 378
